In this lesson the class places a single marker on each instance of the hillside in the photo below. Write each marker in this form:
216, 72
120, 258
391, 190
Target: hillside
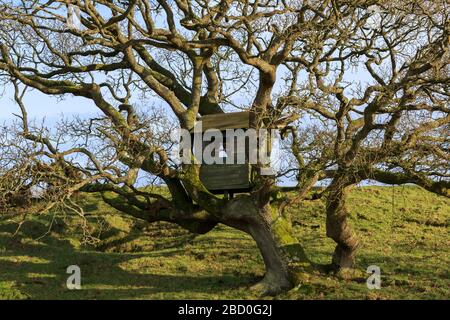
403, 230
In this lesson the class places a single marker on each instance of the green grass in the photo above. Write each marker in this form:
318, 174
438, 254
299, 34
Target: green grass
403, 230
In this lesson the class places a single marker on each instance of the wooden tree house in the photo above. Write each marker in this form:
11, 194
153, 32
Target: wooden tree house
230, 178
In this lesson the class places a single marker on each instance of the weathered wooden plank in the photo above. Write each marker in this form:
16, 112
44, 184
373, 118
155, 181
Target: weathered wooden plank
226, 177
223, 121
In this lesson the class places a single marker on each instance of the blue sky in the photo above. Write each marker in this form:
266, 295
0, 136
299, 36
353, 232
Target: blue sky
40, 106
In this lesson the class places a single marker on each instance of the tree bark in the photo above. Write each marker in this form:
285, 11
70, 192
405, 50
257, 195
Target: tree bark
337, 227
285, 260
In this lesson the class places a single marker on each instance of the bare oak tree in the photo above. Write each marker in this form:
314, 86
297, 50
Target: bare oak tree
393, 127
289, 62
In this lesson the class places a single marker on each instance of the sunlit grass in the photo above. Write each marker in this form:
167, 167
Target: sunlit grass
404, 230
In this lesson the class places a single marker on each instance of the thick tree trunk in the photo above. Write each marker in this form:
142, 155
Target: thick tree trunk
276, 278
338, 228
285, 260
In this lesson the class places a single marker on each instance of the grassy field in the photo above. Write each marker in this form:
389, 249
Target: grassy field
403, 230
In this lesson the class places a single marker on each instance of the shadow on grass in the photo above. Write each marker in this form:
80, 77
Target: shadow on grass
38, 270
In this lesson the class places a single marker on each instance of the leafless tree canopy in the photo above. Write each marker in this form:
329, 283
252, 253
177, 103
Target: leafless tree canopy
360, 88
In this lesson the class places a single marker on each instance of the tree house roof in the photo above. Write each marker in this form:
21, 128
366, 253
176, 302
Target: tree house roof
223, 121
